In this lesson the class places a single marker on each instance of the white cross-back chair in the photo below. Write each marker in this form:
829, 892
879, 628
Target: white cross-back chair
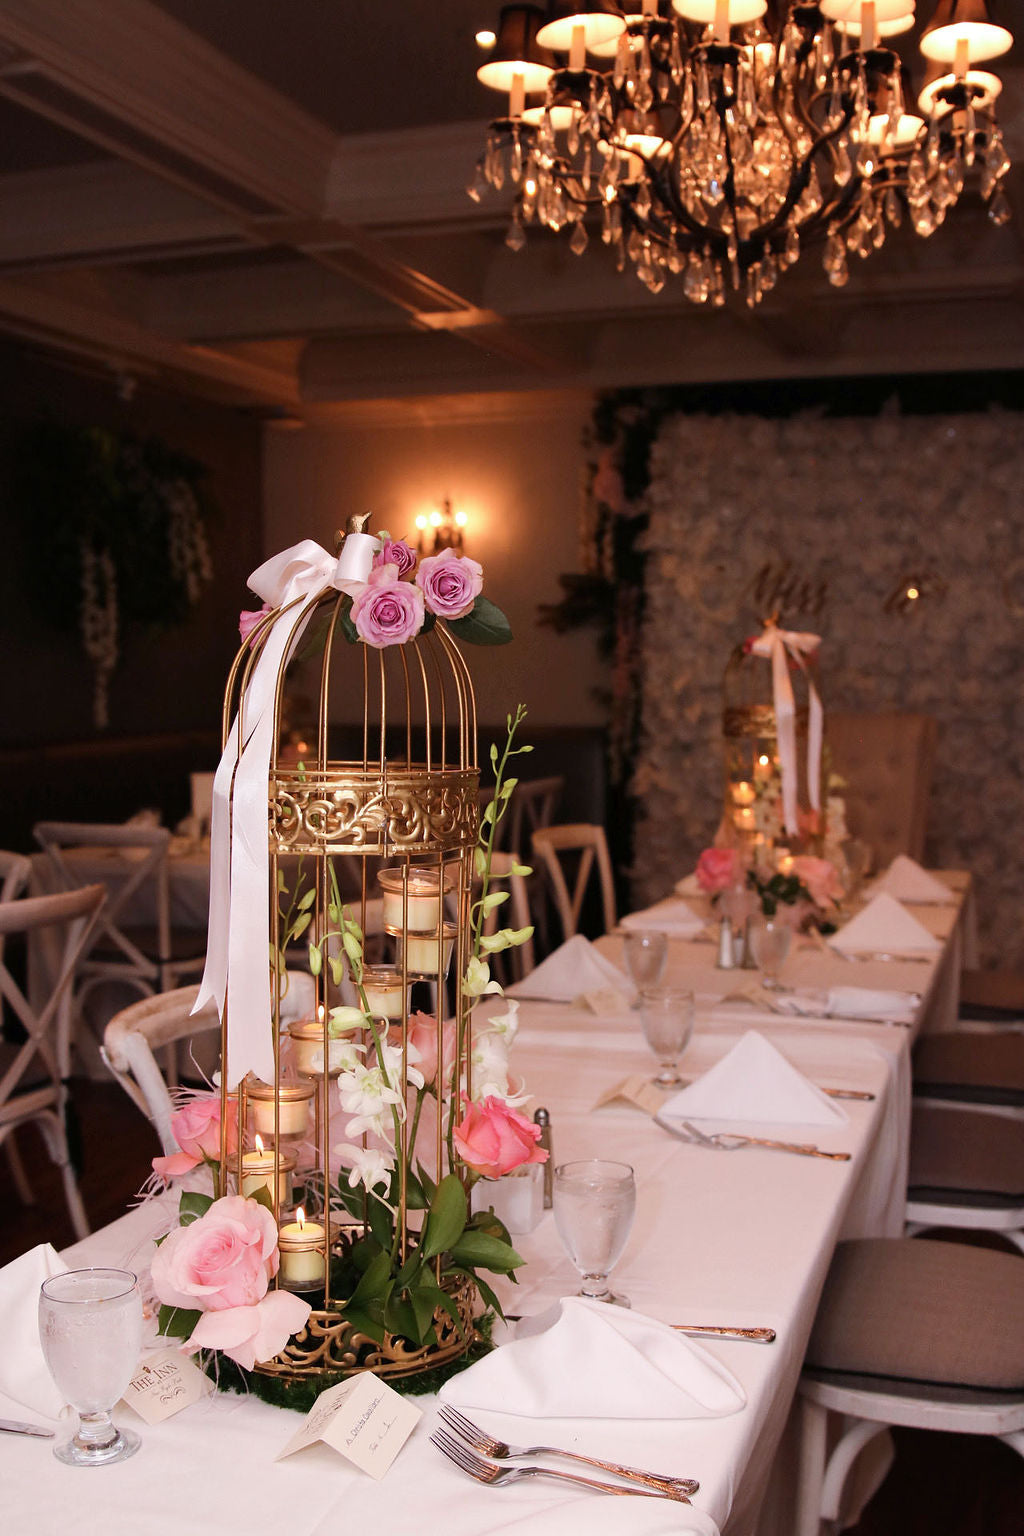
15, 870
34, 1073
551, 845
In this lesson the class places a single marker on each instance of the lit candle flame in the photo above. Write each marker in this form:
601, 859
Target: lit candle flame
259, 1144
300, 1217
320, 1013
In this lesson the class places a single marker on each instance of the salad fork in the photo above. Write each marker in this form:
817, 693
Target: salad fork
487, 1445
487, 1472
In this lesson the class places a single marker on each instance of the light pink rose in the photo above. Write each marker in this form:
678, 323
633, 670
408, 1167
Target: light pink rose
451, 583
387, 611
196, 1129
494, 1138
423, 1044
820, 877
249, 618
225, 1259
719, 869
249, 1335
397, 553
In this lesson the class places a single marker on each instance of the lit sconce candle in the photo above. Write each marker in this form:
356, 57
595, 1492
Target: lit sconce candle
786, 864
292, 1099
763, 766
301, 1244
384, 991
743, 793
421, 912
743, 817
421, 952
265, 1167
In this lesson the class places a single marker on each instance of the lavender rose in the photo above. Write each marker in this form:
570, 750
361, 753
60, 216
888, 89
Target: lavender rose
387, 611
451, 583
396, 552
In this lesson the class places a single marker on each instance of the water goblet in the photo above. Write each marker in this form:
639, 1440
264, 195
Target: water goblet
770, 940
666, 1016
90, 1328
645, 956
594, 1202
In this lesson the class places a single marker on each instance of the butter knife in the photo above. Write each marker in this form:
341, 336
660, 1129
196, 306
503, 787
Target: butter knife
13, 1427
712, 1331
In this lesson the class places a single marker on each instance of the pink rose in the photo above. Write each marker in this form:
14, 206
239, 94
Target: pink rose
196, 1129
249, 1335
249, 618
387, 611
493, 1138
423, 1044
718, 869
226, 1258
820, 877
451, 583
397, 553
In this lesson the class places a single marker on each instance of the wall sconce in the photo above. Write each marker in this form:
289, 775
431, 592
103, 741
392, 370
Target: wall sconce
441, 529
913, 589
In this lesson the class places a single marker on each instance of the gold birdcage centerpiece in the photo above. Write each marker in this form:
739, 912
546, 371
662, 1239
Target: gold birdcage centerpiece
354, 854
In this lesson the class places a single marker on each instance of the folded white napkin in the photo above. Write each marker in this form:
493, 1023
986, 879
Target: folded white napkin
907, 881
573, 969
884, 927
754, 1084
689, 885
23, 1373
588, 1360
849, 1003
674, 917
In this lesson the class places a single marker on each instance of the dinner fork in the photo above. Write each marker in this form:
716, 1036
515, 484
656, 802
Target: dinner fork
487, 1445
726, 1141
487, 1472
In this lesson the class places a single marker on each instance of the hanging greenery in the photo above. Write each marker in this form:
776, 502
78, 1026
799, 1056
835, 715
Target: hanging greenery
121, 522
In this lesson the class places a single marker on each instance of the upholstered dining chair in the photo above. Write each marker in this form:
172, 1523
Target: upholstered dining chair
34, 1073
554, 848
978, 1066
911, 1332
966, 1170
886, 760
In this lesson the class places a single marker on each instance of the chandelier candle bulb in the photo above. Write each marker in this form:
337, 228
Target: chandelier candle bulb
867, 25
417, 908
303, 1258
516, 101
292, 1100
578, 49
264, 1168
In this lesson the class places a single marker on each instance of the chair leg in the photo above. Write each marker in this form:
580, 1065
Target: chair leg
51, 1125
813, 1427
18, 1176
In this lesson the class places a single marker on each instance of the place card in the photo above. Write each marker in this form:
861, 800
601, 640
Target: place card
363, 1419
164, 1384
642, 1092
605, 1002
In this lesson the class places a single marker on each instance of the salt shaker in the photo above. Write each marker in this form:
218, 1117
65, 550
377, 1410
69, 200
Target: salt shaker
725, 960
543, 1119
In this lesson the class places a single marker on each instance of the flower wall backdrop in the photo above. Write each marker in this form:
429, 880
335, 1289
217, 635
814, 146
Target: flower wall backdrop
859, 506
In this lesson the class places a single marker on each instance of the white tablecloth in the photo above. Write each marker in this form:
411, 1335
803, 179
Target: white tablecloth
742, 1237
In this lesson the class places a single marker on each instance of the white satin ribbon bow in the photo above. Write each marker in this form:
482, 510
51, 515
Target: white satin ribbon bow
779, 645
237, 966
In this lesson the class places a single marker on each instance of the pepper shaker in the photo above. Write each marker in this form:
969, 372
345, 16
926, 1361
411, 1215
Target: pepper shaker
543, 1119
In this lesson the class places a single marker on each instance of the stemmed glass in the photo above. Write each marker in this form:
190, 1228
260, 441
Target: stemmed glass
90, 1328
769, 942
666, 1016
645, 956
594, 1204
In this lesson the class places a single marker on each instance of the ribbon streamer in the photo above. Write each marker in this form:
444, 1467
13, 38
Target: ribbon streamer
237, 968
779, 645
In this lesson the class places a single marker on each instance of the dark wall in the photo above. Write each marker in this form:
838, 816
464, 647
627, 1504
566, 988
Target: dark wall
168, 683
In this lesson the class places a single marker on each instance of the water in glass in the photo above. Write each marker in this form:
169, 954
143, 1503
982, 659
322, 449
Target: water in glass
594, 1204
90, 1328
645, 957
666, 1016
769, 942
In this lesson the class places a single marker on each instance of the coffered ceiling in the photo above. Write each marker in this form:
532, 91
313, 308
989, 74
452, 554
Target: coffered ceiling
265, 203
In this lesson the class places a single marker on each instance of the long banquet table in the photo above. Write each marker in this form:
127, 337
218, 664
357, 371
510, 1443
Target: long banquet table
739, 1238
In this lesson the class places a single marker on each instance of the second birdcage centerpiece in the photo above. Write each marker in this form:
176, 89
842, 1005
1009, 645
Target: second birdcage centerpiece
350, 896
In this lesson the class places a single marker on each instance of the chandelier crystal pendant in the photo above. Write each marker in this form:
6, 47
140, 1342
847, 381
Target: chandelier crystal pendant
710, 143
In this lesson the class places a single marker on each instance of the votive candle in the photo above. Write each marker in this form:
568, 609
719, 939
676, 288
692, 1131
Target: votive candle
411, 901
264, 1167
384, 991
292, 1099
302, 1247
421, 951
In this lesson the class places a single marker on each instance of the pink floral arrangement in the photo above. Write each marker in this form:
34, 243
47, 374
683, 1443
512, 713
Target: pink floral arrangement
215, 1273
494, 1138
821, 878
720, 869
195, 1126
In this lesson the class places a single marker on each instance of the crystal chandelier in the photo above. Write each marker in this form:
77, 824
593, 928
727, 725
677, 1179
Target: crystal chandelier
712, 143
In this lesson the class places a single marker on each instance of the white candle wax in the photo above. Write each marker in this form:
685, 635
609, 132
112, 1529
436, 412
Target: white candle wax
303, 1261
419, 905
293, 1109
261, 1169
383, 988
421, 953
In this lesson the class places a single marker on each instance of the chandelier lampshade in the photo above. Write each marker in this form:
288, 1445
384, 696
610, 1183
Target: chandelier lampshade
517, 53
714, 140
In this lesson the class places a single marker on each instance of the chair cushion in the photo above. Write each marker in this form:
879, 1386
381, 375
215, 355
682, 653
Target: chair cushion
991, 994
985, 1066
966, 1152
930, 1312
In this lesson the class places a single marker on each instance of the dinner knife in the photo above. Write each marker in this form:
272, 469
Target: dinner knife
14, 1427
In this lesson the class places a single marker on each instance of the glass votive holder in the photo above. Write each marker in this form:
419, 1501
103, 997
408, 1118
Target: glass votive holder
302, 1245
307, 1038
517, 1198
266, 1166
412, 899
420, 952
385, 995
292, 1102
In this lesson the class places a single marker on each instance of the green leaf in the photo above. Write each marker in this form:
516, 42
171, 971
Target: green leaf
379, 1218
191, 1206
363, 1322
376, 1280
177, 1322
307, 901
348, 629
299, 926
415, 1196
482, 1286
494, 899
507, 787
475, 1248
401, 1317
521, 869
262, 1197
488, 814
426, 1182
484, 624
447, 1217
316, 960
430, 1293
